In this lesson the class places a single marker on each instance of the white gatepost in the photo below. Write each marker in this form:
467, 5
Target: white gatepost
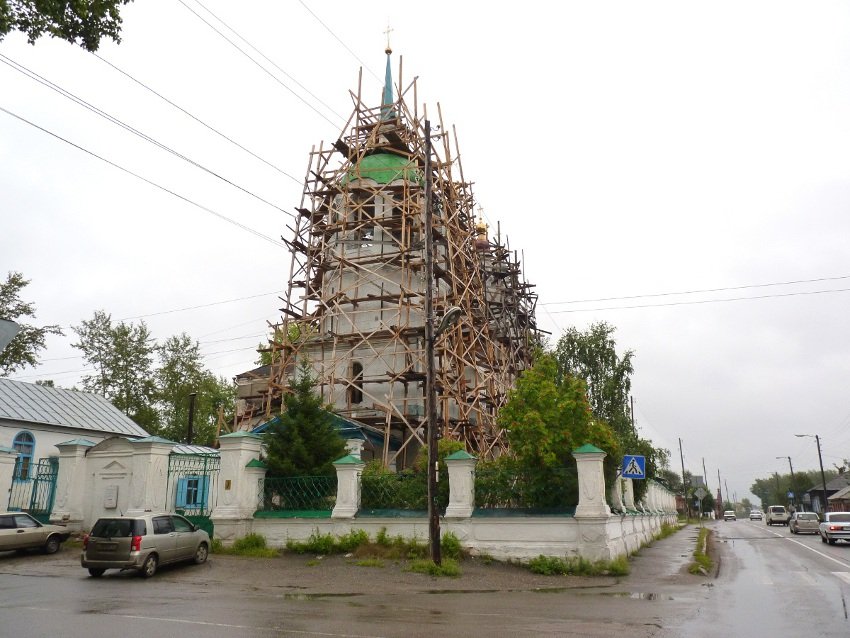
149, 483
617, 495
69, 508
348, 471
239, 477
591, 482
461, 468
8, 456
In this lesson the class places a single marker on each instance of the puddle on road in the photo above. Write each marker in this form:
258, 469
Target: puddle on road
318, 596
641, 595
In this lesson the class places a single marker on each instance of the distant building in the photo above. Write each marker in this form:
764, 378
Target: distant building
815, 494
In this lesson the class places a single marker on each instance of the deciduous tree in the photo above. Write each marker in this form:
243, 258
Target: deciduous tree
82, 22
23, 350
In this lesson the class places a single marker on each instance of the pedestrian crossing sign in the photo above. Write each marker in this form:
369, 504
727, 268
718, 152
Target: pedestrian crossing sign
634, 466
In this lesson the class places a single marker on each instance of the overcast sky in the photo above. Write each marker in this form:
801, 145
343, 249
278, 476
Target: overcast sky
630, 150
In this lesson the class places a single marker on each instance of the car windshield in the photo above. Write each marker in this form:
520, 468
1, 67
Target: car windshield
777, 510
840, 518
807, 517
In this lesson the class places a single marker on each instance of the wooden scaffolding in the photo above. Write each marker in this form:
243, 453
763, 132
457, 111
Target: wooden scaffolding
355, 300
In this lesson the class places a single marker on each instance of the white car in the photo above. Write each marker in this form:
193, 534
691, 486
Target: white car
729, 515
835, 526
777, 515
755, 515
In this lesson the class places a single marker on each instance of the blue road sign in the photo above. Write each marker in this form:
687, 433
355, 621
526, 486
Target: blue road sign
790, 494
634, 466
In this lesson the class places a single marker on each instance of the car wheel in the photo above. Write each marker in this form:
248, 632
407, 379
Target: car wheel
831, 541
149, 566
822, 538
96, 573
201, 554
52, 545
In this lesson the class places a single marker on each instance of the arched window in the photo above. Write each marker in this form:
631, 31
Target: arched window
24, 445
355, 391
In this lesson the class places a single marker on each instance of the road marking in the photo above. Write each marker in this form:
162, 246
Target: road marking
845, 576
811, 549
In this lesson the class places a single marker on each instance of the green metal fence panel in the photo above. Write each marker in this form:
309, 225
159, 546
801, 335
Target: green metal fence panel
297, 494
37, 493
399, 492
192, 487
547, 490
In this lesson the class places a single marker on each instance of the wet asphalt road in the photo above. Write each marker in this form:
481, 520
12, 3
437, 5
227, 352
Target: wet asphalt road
774, 583
770, 583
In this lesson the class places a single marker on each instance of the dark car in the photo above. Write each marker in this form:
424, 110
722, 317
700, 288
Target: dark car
143, 543
20, 531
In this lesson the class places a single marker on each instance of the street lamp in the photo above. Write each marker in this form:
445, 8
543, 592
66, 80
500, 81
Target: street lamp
793, 481
820, 459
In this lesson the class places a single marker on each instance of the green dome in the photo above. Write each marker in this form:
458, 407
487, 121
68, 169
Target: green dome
384, 168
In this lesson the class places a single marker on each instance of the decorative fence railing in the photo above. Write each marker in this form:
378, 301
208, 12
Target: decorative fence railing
402, 491
545, 490
299, 493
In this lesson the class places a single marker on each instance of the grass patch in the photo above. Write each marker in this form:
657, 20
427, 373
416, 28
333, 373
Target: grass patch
370, 562
328, 544
701, 555
449, 567
578, 566
252, 546
313, 563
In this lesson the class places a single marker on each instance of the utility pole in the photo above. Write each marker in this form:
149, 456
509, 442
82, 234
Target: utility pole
431, 400
793, 480
684, 485
825, 507
719, 495
727, 490
190, 432
705, 478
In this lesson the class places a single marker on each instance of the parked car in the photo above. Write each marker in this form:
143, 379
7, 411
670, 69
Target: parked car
19, 530
835, 526
804, 523
729, 515
755, 515
143, 543
777, 515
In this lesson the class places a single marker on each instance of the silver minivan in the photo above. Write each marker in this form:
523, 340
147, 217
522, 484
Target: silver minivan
143, 543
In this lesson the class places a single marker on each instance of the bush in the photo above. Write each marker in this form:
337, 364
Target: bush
578, 566
450, 546
327, 544
253, 545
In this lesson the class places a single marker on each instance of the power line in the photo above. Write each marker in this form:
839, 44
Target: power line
703, 301
693, 292
198, 120
264, 69
337, 38
270, 61
67, 94
147, 181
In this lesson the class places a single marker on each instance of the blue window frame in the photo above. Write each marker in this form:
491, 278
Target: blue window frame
192, 492
24, 445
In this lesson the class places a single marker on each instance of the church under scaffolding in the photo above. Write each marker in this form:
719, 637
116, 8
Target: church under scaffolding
355, 302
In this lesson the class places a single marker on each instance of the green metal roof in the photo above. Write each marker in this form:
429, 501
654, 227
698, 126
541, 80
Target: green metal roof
587, 448
460, 455
384, 168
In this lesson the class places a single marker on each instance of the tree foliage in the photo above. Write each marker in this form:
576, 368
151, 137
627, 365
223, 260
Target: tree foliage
303, 441
181, 372
547, 416
773, 490
123, 357
592, 356
82, 22
23, 350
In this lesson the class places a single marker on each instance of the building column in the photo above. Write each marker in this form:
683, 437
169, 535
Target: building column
629, 494
239, 477
461, 469
69, 506
591, 482
8, 456
348, 471
149, 481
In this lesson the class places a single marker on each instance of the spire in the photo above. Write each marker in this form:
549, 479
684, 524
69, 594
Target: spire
387, 97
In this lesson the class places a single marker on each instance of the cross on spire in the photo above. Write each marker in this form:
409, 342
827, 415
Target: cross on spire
387, 33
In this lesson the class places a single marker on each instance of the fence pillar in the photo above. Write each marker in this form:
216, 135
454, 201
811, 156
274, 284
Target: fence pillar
461, 468
69, 506
239, 477
355, 447
629, 494
8, 456
591, 482
149, 482
348, 471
